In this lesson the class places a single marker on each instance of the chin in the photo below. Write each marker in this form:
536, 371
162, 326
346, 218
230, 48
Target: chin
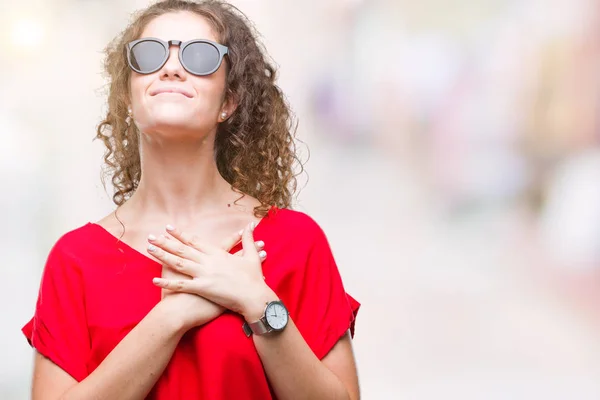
173, 127
173, 119
170, 112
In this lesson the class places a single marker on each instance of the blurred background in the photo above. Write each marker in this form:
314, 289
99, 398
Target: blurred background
454, 165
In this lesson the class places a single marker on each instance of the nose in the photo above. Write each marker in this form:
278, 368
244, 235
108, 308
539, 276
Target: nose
173, 68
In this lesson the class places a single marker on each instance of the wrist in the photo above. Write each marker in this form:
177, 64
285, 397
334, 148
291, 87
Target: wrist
254, 307
170, 318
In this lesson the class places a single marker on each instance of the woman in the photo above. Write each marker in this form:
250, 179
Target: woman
160, 299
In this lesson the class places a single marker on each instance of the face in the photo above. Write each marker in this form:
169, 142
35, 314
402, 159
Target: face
193, 114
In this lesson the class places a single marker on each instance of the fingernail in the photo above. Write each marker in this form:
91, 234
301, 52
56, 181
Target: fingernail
260, 243
262, 254
170, 227
152, 248
151, 237
157, 281
252, 226
241, 232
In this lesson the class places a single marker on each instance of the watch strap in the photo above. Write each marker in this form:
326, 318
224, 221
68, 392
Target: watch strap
259, 327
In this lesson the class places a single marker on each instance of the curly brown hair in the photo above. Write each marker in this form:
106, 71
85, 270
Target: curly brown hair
255, 148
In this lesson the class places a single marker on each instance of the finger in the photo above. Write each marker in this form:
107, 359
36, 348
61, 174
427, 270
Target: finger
248, 241
176, 248
231, 241
259, 244
176, 285
262, 254
234, 239
181, 265
192, 240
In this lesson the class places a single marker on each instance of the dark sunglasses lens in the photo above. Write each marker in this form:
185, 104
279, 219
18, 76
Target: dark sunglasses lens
147, 56
200, 58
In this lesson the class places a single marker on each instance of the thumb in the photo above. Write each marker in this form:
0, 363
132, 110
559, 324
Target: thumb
231, 241
248, 241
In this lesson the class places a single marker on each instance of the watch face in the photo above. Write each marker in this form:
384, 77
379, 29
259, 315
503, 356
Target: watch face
277, 316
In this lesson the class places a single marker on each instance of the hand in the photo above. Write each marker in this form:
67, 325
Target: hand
232, 281
194, 310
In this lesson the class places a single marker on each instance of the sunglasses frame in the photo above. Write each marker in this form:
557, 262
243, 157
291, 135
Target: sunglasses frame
182, 45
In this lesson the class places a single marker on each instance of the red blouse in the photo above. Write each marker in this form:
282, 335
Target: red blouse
95, 289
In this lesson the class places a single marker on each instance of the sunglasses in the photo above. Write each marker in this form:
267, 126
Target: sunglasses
198, 57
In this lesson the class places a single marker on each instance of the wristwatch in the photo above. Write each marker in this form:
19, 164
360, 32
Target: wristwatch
274, 319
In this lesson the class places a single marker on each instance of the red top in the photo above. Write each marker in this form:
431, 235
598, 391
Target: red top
95, 289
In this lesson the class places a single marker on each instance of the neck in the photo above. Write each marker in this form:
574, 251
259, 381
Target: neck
179, 181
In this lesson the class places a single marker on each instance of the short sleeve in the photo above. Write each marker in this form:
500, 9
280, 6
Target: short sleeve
58, 329
324, 312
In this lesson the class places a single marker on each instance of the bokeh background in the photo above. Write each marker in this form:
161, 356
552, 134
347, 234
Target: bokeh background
454, 164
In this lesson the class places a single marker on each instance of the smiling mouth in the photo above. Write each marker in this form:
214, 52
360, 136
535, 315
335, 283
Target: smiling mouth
181, 94
171, 91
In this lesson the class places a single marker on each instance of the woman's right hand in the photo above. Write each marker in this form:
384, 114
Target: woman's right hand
190, 310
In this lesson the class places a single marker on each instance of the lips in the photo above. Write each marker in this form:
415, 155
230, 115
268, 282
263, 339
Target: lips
171, 89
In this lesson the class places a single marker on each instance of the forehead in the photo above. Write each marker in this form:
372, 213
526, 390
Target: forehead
182, 26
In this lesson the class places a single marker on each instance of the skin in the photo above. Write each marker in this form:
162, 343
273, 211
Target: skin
179, 216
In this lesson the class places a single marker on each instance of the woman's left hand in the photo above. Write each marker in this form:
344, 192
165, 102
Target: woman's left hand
232, 281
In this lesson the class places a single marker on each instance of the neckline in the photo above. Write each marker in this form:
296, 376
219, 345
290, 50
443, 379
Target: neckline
133, 250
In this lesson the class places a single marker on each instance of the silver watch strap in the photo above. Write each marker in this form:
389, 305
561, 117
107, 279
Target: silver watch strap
258, 328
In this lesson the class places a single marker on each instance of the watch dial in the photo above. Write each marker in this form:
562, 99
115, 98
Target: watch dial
277, 316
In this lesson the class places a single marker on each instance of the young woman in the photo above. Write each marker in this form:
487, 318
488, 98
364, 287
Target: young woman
173, 296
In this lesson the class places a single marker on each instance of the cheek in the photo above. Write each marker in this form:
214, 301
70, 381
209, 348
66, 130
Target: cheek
210, 94
136, 88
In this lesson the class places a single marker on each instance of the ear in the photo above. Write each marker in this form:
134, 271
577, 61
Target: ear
229, 105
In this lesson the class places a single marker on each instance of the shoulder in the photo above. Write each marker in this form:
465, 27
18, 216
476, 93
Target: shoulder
298, 222
74, 244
